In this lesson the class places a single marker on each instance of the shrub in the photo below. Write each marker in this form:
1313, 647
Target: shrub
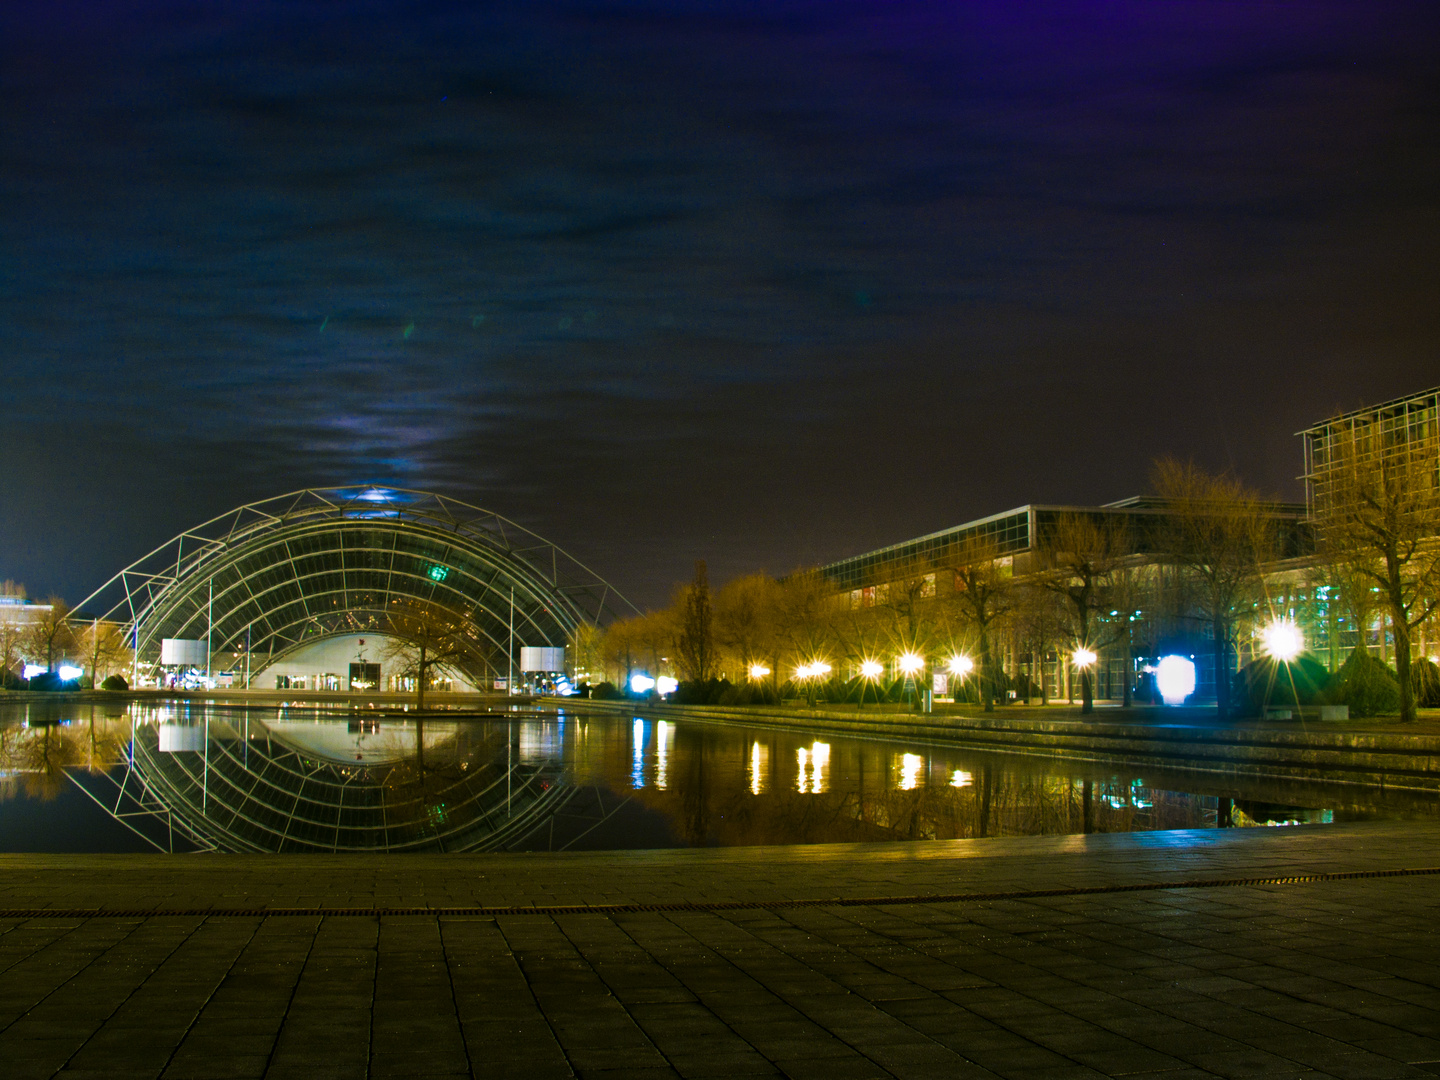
605, 691
749, 693
114, 682
1369, 687
697, 692
1425, 679
1268, 682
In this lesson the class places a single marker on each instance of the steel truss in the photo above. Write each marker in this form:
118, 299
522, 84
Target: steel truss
270, 577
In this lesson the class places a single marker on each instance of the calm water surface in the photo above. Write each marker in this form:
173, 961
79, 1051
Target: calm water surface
185, 776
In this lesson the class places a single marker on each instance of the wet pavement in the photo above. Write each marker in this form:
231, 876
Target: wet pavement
1177, 954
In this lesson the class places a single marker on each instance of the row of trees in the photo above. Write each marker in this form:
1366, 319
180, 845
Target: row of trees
50, 635
1204, 565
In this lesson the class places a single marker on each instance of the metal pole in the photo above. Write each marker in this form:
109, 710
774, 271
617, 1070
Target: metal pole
135, 658
247, 658
209, 627
510, 674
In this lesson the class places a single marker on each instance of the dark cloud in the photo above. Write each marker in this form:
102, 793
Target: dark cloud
764, 283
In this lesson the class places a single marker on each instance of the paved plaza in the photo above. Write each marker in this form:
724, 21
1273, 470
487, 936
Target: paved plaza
1138, 955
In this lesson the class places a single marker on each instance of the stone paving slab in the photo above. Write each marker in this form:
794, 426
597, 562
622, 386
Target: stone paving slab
1334, 978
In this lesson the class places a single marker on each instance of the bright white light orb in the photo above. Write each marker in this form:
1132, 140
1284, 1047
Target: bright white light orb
1175, 679
31, 670
911, 662
70, 671
961, 665
1084, 657
641, 683
804, 671
1283, 640
819, 668
872, 669
758, 671
666, 685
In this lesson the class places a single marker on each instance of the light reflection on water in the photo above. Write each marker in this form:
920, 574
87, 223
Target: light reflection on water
554, 780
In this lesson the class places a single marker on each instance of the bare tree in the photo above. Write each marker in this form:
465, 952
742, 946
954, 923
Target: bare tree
50, 634
1380, 524
1219, 532
984, 595
103, 646
1081, 555
745, 620
620, 648
695, 645
585, 651
424, 638
805, 617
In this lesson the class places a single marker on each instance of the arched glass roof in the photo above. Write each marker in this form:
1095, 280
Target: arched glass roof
307, 779
270, 577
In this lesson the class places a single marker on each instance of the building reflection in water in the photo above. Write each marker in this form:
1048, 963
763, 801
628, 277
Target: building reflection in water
299, 780
662, 737
813, 762
637, 754
910, 766
759, 768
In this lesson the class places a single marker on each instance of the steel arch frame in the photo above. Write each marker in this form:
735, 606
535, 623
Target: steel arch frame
167, 592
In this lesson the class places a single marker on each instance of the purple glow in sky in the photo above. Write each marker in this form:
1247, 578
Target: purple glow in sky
761, 283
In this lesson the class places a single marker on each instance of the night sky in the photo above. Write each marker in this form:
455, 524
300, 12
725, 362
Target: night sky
764, 283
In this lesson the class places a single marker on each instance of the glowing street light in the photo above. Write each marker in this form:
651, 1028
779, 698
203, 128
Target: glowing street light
1083, 657
961, 665
871, 669
758, 671
911, 663
820, 668
1283, 640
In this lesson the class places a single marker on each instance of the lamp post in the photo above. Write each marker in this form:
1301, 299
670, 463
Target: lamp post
911, 664
1283, 640
1084, 659
870, 670
959, 667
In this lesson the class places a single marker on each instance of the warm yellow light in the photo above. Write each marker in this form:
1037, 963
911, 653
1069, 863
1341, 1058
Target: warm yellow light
819, 668
910, 663
961, 665
872, 669
1283, 640
758, 671
910, 766
804, 671
1084, 657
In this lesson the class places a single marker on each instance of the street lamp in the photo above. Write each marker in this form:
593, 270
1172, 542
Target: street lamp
758, 671
961, 665
1084, 660
870, 670
911, 663
1283, 640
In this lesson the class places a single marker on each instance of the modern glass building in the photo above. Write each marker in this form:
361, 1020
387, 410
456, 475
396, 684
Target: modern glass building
273, 589
1370, 434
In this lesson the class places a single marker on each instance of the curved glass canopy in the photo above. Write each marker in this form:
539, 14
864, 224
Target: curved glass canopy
307, 780
270, 577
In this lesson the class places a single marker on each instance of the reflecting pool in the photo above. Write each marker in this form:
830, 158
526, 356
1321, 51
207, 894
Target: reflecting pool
182, 776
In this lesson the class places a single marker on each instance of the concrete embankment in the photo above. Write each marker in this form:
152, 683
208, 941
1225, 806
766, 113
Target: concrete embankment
1386, 759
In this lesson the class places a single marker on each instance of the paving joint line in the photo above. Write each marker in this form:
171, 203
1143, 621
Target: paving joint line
710, 905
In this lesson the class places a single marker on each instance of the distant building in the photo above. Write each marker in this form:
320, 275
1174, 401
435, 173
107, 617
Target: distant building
1294, 586
1364, 434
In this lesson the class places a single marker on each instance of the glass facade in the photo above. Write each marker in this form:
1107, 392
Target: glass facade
267, 579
